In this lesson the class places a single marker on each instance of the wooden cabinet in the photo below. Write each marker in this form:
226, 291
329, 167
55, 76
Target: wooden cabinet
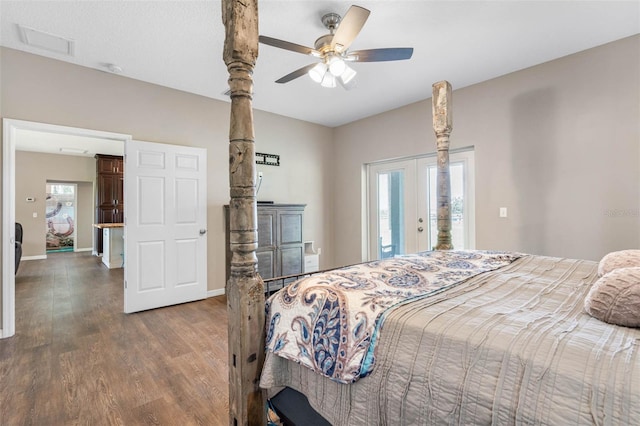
109, 192
109, 164
280, 244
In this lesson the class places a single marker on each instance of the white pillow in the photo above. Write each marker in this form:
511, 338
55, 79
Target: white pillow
615, 298
618, 259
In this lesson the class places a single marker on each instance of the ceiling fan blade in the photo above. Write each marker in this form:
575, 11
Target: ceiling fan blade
288, 46
349, 28
380, 55
297, 73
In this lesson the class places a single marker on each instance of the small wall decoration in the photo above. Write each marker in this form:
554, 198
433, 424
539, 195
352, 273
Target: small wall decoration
267, 159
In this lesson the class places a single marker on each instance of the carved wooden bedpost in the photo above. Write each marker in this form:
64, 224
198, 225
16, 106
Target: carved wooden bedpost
442, 126
245, 289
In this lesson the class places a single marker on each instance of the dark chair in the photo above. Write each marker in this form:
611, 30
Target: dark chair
18, 245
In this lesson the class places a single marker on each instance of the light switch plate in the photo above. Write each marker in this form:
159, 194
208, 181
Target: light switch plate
503, 212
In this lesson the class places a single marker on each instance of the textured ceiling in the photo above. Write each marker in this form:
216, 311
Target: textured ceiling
178, 44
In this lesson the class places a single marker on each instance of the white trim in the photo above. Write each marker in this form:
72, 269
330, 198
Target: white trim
38, 257
8, 228
433, 154
9, 136
83, 249
214, 293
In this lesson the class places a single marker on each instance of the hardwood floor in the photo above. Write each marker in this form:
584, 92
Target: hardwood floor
76, 359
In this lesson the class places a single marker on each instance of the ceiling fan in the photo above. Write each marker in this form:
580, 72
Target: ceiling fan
332, 50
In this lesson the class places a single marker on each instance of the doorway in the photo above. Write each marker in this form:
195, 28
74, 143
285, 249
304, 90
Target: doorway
15, 131
61, 216
402, 207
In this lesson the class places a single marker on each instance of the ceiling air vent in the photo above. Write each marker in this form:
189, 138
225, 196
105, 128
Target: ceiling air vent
42, 40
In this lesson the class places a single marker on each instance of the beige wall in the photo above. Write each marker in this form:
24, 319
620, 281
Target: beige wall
38, 89
86, 214
33, 170
557, 144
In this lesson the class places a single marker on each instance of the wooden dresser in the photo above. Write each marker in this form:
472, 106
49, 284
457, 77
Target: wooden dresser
109, 193
280, 243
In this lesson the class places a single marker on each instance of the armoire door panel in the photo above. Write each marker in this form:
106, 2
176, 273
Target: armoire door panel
290, 225
266, 228
266, 264
291, 260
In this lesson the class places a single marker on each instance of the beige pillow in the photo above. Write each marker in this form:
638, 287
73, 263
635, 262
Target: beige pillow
615, 298
618, 259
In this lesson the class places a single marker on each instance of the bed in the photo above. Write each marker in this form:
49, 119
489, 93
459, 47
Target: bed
508, 346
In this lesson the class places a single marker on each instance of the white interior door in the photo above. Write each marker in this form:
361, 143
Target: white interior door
165, 225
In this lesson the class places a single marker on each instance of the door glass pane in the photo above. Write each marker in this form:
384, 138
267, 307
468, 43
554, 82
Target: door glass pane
60, 214
390, 213
433, 208
456, 173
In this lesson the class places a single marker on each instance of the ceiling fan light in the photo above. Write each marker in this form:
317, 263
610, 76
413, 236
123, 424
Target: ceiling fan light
316, 73
336, 66
329, 80
348, 74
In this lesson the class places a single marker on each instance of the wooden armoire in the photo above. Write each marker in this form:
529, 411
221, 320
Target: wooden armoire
109, 192
280, 243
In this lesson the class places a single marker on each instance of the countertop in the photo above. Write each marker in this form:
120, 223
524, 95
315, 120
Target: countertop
108, 225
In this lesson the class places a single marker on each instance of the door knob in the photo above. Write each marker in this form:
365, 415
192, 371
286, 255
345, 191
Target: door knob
203, 231
420, 229
420, 220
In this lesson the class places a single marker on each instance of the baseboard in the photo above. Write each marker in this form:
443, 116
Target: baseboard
38, 257
214, 293
83, 249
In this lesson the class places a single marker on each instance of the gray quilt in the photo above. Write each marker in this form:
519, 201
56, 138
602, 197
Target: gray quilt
511, 346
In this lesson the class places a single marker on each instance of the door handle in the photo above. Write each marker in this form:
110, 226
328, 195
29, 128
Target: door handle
203, 231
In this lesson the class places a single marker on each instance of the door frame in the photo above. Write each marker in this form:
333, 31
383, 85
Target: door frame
465, 155
10, 129
75, 209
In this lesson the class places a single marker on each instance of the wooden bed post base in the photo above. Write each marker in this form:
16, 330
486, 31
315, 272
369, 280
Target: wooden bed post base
442, 125
245, 289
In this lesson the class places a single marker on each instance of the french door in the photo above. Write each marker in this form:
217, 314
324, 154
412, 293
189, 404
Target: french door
403, 210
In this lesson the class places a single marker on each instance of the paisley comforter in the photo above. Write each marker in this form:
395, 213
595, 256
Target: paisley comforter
330, 322
512, 346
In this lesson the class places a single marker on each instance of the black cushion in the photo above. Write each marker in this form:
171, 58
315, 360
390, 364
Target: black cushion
19, 232
18, 254
18, 245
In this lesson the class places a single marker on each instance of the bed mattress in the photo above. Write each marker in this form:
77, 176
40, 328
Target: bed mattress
509, 346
